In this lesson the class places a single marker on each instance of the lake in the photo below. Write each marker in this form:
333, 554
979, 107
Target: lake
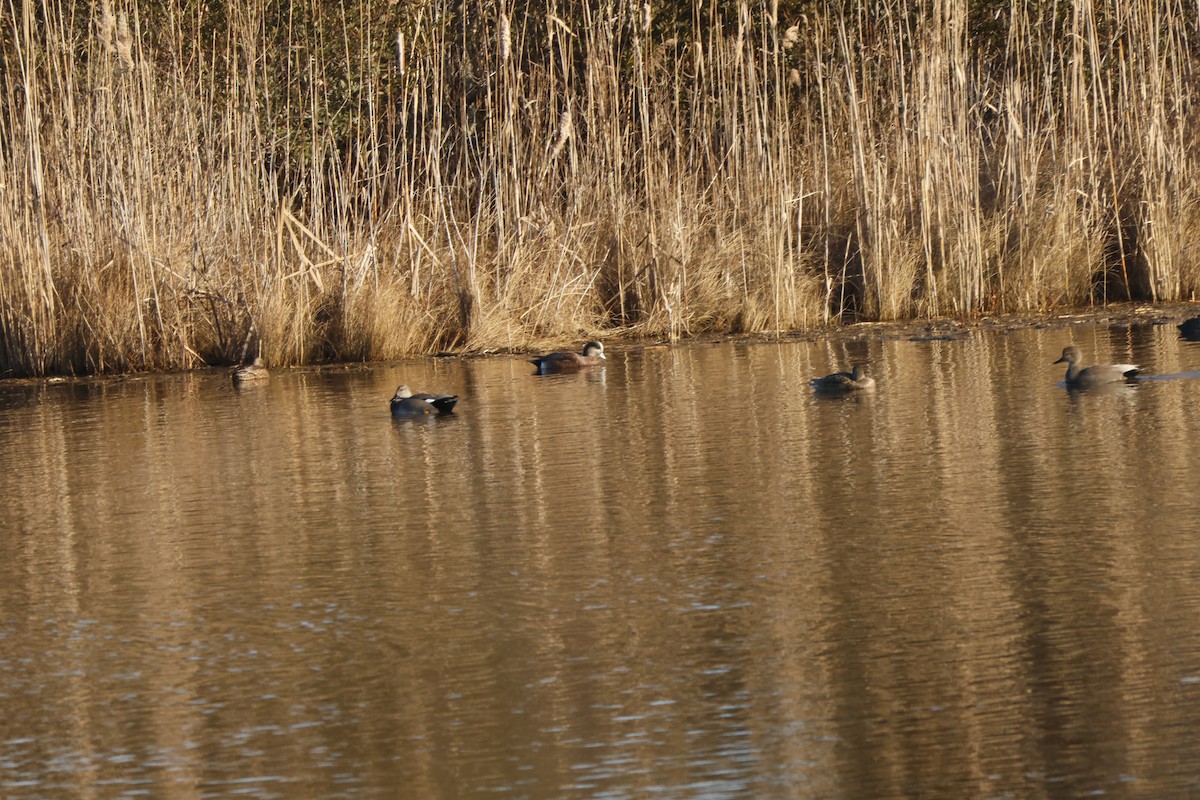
679, 575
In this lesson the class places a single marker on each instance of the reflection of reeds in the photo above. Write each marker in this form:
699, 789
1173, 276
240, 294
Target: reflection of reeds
416, 177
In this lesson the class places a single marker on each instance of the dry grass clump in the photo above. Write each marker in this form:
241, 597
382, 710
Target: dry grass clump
379, 180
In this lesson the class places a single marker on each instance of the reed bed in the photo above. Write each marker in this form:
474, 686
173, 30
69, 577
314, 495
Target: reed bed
183, 184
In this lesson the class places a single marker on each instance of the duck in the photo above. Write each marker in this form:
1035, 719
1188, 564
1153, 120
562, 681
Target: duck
592, 354
406, 402
1096, 375
1190, 329
853, 381
254, 371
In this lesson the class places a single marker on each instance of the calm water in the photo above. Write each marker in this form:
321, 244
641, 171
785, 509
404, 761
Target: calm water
679, 576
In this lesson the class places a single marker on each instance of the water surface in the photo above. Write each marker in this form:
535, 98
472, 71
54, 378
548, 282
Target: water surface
681, 575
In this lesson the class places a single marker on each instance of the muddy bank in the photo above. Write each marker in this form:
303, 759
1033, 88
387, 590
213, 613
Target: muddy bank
1124, 314
617, 341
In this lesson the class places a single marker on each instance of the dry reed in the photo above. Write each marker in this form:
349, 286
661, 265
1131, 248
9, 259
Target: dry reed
397, 179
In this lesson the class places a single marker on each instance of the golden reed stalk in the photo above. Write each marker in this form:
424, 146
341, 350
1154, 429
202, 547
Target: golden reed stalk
397, 179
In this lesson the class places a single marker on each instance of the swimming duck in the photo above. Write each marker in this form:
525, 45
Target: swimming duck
853, 381
254, 371
1190, 329
593, 353
407, 403
1097, 375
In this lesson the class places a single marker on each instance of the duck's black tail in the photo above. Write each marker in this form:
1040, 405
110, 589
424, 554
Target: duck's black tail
445, 405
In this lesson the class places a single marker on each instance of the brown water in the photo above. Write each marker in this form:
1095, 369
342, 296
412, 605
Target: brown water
679, 576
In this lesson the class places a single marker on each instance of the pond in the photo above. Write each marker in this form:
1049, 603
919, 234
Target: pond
681, 575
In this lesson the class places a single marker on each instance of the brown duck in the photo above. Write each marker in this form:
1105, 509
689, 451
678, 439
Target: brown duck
593, 353
254, 371
853, 381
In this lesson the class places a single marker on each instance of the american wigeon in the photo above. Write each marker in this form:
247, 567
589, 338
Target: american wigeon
254, 371
853, 381
407, 403
1097, 375
593, 353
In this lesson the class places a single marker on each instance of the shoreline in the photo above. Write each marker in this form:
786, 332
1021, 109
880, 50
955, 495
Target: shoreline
944, 329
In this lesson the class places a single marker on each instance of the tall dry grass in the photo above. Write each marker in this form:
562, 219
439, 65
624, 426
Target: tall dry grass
186, 183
